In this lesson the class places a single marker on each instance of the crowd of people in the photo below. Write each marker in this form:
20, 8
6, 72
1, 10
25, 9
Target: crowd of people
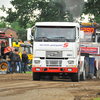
15, 61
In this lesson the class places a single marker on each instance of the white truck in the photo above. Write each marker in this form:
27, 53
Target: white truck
57, 51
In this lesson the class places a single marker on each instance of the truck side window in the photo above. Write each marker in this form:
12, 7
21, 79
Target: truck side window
98, 39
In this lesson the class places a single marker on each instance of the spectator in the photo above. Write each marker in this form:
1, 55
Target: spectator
8, 61
12, 57
18, 61
24, 62
8, 64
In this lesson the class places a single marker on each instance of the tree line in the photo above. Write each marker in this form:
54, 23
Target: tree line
27, 12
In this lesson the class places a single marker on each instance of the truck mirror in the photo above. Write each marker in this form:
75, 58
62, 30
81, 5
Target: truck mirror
32, 37
98, 39
81, 35
29, 34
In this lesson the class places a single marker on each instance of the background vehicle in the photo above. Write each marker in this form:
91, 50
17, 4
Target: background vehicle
57, 51
90, 47
5, 43
25, 46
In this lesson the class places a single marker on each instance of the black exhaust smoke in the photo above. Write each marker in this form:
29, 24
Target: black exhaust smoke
74, 7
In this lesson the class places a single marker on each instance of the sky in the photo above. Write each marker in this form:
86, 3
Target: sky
7, 4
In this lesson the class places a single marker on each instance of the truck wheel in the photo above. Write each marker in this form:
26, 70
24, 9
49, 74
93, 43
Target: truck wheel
3, 66
36, 76
83, 75
51, 78
75, 77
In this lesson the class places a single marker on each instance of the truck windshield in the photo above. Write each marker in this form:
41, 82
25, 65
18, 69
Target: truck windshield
57, 34
27, 49
17, 49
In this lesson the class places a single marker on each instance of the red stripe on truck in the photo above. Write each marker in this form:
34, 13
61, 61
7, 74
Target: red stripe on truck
55, 69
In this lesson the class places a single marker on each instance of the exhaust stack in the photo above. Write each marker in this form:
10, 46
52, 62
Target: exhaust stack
28, 34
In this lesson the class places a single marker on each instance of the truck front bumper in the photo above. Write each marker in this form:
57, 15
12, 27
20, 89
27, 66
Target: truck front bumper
55, 69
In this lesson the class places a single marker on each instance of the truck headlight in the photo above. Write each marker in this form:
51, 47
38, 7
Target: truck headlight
37, 69
71, 62
69, 69
37, 61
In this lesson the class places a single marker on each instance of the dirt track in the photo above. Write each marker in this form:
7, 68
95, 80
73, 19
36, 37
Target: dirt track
21, 87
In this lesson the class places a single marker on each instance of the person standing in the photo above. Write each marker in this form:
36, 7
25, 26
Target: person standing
24, 62
8, 61
12, 57
8, 64
18, 61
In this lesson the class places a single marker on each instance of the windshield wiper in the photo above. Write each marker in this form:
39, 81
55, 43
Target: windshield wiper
62, 38
43, 38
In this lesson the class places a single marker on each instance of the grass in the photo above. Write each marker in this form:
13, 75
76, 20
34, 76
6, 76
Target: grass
96, 99
28, 72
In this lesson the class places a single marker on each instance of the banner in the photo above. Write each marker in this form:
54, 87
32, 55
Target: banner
90, 50
90, 29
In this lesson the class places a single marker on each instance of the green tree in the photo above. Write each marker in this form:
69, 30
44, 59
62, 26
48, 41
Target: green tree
3, 24
50, 10
21, 32
92, 8
54, 10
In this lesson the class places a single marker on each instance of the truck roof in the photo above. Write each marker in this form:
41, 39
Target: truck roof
57, 24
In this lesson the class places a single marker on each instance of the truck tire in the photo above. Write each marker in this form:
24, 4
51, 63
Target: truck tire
51, 78
83, 75
3, 65
75, 77
36, 76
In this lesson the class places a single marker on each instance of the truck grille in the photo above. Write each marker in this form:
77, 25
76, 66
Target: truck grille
54, 54
53, 63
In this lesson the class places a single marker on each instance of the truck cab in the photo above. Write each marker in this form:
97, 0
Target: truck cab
57, 50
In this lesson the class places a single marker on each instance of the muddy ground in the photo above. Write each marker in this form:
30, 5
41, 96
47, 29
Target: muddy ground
22, 87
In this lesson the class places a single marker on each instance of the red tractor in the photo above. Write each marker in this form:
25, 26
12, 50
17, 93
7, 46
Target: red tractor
5, 43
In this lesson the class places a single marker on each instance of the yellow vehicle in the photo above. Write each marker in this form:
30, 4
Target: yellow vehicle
24, 46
